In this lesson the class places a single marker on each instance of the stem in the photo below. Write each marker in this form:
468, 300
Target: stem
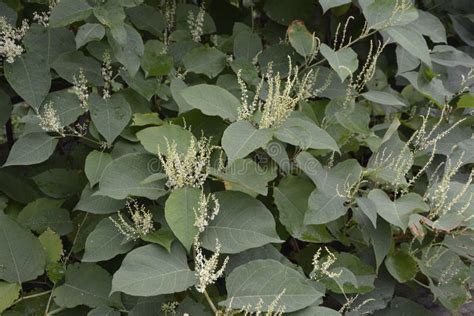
75, 239
213, 307
32, 296
48, 305
53, 312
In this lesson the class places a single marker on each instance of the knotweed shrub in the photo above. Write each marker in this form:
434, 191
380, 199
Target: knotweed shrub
224, 157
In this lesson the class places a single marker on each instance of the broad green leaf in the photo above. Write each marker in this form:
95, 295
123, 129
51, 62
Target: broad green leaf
301, 39
451, 57
412, 41
247, 45
103, 311
265, 280
151, 270
50, 43
8, 12
286, 11
156, 139
180, 210
31, 149
383, 98
401, 265
324, 207
429, 25
110, 116
89, 32
59, 182
241, 138
9, 292
124, 176
6, 108
145, 119
69, 11
45, 213
381, 239
343, 61
86, 284
463, 26
176, 86
105, 242
97, 204
398, 212
66, 104
147, 18
212, 100
329, 4
205, 60
21, 255
52, 246
130, 52
162, 237
299, 130
355, 118
29, 76
291, 197
247, 176
96, 162
379, 13
155, 61
242, 223
69, 65
316, 311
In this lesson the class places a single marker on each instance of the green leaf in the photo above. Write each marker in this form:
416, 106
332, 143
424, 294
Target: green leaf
301, 39
401, 265
105, 242
52, 246
68, 66
145, 119
299, 130
155, 61
329, 4
29, 76
241, 138
50, 43
103, 311
286, 11
31, 149
412, 41
247, 176
66, 104
96, 162
212, 100
291, 197
156, 139
180, 214
151, 270
247, 45
44, 213
162, 237
147, 18
89, 32
69, 11
9, 292
383, 98
242, 223
97, 204
429, 25
86, 284
124, 176
130, 52
110, 116
343, 61
379, 12
265, 280
59, 182
21, 255
398, 212
466, 101
205, 60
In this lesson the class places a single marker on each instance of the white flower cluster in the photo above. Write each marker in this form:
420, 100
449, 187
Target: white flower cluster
142, 221
43, 17
282, 97
190, 169
49, 119
196, 23
107, 75
202, 215
275, 308
169, 307
81, 88
321, 269
170, 14
206, 269
11, 39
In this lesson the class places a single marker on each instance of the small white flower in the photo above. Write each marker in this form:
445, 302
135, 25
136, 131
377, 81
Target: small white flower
206, 269
141, 221
81, 88
107, 75
202, 215
11, 39
49, 120
196, 23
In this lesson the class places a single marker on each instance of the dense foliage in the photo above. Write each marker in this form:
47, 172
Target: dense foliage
172, 157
